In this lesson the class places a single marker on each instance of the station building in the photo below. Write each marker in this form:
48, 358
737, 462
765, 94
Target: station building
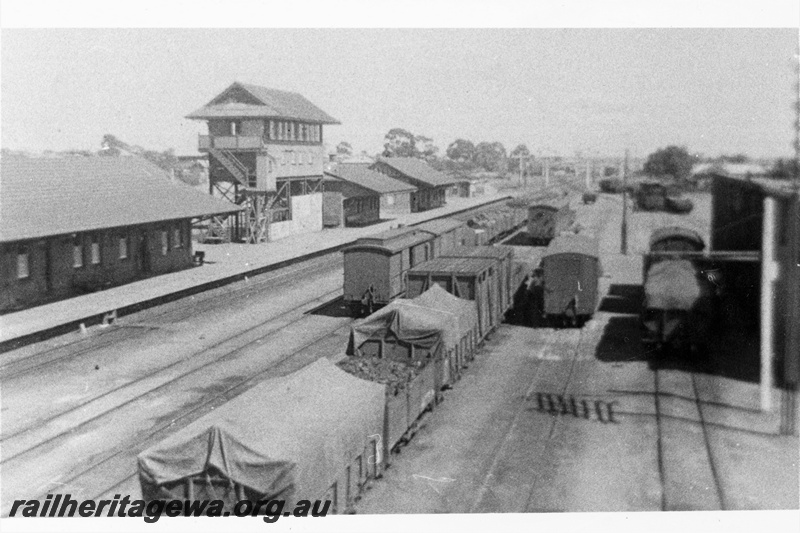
356, 196
431, 184
762, 216
78, 224
265, 152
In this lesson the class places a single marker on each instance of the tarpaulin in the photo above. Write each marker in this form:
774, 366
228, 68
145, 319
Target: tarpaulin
672, 285
289, 438
401, 321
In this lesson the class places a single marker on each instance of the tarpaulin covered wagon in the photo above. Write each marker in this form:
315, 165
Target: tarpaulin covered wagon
677, 308
314, 434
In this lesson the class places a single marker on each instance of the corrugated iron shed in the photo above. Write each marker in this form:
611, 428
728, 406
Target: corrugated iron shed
368, 179
419, 170
264, 103
40, 197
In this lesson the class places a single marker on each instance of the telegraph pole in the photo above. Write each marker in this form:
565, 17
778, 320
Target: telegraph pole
624, 229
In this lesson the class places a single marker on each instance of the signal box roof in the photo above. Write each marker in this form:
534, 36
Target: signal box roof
242, 100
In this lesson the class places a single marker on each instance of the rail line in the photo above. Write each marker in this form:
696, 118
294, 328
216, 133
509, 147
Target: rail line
125, 453
174, 314
130, 385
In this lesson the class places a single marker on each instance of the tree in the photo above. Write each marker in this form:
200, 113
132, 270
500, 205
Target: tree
670, 161
399, 143
461, 150
520, 151
344, 148
736, 158
425, 147
491, 156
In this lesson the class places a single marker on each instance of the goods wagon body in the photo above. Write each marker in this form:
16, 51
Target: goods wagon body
447, 233
672, 239
679, 298
546, 221
468, 278
571, 271
677, 310
320, 440
504, 257
374, 266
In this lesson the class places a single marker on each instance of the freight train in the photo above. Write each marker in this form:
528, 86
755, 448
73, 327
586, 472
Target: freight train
376, 267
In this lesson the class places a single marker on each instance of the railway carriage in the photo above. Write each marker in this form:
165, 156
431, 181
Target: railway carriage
570, 272
375, 266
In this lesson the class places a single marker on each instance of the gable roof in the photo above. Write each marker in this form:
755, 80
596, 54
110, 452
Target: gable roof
242, 100
40, 197
368, 179
418, 170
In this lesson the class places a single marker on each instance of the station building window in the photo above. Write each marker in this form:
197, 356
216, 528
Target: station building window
77, 252
164, 242
95, 250
23, 263
123, 247
177, 237
272, 129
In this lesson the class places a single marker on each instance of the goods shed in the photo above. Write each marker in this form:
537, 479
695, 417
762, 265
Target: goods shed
759, 219
72, 225
355, 195
313, 434
431, 184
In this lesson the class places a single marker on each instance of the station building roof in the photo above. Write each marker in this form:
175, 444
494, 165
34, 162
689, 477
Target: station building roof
242, 100
41, 197
418, 170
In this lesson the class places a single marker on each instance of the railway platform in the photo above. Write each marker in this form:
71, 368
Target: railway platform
224, 263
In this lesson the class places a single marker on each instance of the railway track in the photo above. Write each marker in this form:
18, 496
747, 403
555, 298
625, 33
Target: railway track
173, 313
22, 449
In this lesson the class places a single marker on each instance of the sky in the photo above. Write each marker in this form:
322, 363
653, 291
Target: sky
560, 91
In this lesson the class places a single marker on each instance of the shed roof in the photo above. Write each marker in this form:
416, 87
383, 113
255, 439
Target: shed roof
241, 100
40, 197
368, 179
440, 225
418, 170
671, 232
768, 186
454, 265
572, 244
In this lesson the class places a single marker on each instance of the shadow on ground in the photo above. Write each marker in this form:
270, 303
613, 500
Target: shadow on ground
336, 308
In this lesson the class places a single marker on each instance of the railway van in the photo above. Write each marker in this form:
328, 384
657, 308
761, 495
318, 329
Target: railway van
570, 272
375, 266
547, 220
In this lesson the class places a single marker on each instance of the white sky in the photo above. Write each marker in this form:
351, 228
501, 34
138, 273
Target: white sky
597, 90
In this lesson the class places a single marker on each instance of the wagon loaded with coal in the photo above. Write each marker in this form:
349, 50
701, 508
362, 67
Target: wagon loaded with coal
679, 293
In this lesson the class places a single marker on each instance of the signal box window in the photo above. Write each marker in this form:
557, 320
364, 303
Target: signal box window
95, 250
77, 253
123, 247
164, 242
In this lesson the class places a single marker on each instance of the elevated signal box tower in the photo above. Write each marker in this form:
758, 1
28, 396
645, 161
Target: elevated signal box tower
264, 146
